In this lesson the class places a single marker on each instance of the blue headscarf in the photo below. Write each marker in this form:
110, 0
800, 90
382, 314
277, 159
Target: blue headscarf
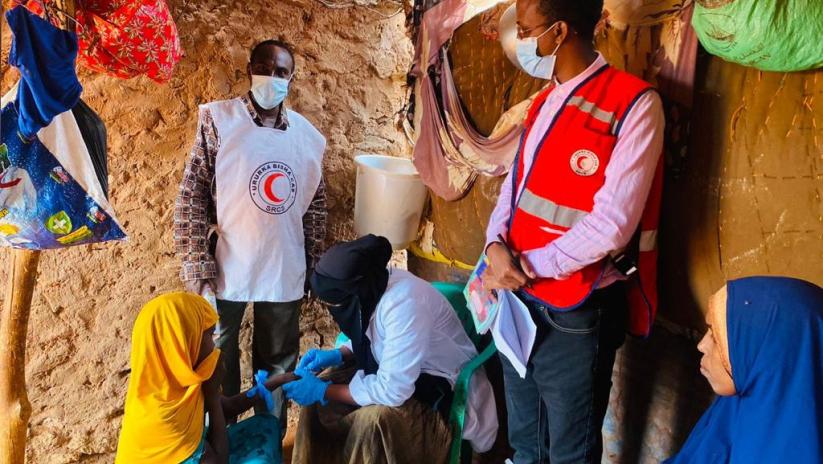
45, 56
775, 331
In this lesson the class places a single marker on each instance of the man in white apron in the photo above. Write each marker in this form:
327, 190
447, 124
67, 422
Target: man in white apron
254, 177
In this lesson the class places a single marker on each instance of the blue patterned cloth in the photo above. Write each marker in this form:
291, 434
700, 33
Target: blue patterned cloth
255, 440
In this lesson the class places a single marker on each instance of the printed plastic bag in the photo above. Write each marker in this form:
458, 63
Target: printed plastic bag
50, 196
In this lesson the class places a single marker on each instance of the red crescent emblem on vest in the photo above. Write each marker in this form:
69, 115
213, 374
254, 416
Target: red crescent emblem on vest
268, 187
273, 187
584, 162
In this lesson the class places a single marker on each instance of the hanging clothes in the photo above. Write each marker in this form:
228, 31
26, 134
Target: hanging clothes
123, 38
128, 38
93, 131
45, 57
449, 152
52, 189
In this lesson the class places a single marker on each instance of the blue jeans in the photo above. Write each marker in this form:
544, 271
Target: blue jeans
555, 414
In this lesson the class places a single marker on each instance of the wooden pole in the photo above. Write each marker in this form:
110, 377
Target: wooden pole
15, 409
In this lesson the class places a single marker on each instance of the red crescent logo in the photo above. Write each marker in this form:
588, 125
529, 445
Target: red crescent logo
10, 184
273, 187
584, 163
267, 187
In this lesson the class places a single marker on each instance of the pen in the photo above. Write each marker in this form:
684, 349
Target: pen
511, 256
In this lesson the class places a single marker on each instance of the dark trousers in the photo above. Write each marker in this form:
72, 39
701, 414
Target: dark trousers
555, 414
275, 343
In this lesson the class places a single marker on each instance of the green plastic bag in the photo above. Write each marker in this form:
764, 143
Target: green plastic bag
771, 35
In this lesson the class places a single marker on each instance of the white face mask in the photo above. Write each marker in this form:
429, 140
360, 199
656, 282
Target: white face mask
269, 91
541, 67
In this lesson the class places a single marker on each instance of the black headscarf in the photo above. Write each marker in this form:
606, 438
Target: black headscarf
352, 277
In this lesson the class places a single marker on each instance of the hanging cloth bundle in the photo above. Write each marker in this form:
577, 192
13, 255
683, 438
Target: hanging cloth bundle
93, 131
51, 186
123, 38
45, 56
449, 152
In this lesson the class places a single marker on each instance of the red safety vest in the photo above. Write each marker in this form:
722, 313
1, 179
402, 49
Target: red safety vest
567, 171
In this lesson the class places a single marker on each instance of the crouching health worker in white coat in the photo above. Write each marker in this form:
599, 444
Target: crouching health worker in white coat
393, 405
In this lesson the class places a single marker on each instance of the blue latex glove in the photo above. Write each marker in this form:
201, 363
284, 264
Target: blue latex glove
316, 360
260, 389
308, 390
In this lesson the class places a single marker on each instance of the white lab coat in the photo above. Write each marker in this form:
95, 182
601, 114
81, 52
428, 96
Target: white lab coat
414, 329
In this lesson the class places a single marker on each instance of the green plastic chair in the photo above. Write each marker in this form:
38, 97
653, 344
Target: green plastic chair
460, 451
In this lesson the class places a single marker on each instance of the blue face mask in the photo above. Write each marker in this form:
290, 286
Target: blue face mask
541, 67
269, 91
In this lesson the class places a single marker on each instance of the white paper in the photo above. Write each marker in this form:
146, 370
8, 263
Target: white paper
514, 331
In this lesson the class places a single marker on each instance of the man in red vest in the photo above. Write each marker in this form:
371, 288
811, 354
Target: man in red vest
574, 230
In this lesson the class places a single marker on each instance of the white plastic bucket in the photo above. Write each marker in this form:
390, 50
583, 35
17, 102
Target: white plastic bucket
389, 199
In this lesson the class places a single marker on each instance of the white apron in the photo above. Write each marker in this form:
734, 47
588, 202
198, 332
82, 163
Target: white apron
265, 181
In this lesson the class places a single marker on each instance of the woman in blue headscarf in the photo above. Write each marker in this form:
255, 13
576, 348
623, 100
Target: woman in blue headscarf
763, 356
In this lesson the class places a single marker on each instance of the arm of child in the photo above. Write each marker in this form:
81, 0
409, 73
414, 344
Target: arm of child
238, 404
217, 439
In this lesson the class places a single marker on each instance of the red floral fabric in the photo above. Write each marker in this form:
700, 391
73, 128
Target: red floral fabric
125, 38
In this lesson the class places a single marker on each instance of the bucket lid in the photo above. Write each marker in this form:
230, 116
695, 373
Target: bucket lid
388, 165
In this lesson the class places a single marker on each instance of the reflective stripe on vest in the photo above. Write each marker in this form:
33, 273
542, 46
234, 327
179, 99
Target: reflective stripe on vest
564, 216
549, 211
606, 117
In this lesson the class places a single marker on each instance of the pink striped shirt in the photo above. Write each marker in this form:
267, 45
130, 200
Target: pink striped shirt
618, 205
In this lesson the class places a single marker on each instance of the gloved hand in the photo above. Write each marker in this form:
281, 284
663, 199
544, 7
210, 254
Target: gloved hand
260, 389
316, 360
308, 390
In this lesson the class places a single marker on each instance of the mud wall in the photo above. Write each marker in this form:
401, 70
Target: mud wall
749, 199
351, 66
